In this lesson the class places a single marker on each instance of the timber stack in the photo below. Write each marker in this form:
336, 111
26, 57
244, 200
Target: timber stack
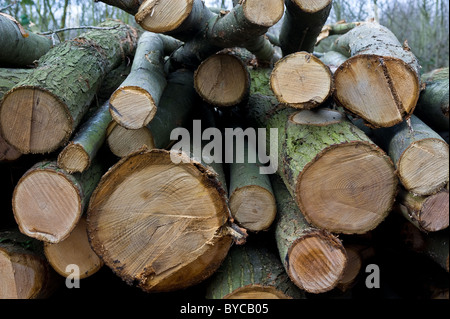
356, 136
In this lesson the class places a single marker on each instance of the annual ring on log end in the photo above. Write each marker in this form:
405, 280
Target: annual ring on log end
316, 262
222, 80
311, 6
349, 188
423, 167
132, 107
158, 224
73, 158
317, 117
46, 205
301, 80
434, 215
34, 121
122, 141
381, 90
256, 292
163, 16
264, 12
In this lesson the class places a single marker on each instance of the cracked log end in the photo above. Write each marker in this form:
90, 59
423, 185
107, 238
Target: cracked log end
74, 159
157, 224
264, 12
34, 121
381, 90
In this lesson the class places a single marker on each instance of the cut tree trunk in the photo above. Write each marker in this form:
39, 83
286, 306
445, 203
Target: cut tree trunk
434, 100
252, 202
333, 60
380, 81
24, 271
421, 155
428, 213
39, 114
222, 80
130, 6
314, 259
303, 22
176, 105
252, 272
20, 47
160, 225
7, 152
48, 202
133, 105
302, 81
340, 179
74, 250
112, 81
78, 155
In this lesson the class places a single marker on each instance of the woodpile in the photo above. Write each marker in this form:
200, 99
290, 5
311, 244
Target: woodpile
89, 129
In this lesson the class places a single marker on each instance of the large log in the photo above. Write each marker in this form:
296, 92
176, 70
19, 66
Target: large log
159, 225
175, 108
252, 272
420, 155
314, 259
302, 24
379, 83
340, 179
20, 47
48, 202
40, 113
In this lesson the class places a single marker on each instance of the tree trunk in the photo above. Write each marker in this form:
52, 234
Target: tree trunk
79, 64
333, 60
340, 179
74, 250
24, 271
434, 100
252, 202
420, 155
175, 108
157, 224
130, 6
302, 24
427, 213
302, 81
48, 202
20, 47
222, 80
379, 83
252, 272
314, 259
133, 105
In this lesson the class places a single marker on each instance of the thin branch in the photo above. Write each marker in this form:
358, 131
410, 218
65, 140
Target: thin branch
9, 5
76, 28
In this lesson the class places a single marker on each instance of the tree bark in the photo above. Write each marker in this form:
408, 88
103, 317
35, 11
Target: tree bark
302, 24
80, 65
314, 259
340, 179
48, 202
434, 100
157, 224
252, 272
333, 60
24, 271
76, 250
130, 6
420, 155
379, 83
20, 48
175, 108
302, 81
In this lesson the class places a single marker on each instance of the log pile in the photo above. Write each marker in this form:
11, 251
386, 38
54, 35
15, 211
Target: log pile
93, 124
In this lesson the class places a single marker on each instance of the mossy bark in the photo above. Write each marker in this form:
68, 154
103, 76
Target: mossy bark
9, 77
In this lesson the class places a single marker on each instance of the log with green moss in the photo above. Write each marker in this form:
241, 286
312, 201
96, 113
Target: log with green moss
24, 270
133, 105
314, 259
252, 271
340, 179
380, 80
20, 47
48, 202
175, 108
434, 100
420, 155
303, 22
41, 112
